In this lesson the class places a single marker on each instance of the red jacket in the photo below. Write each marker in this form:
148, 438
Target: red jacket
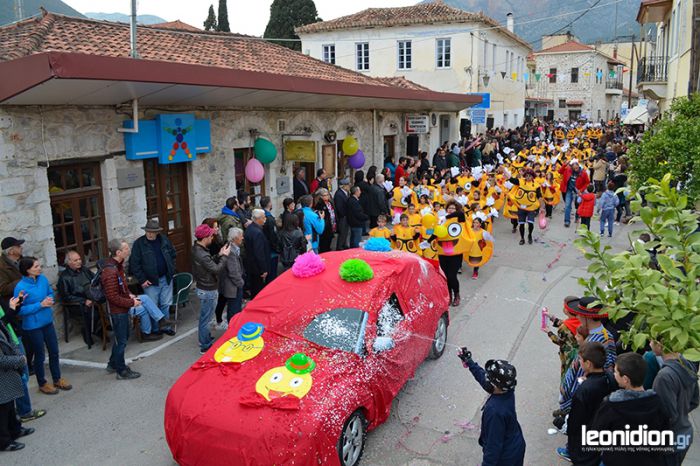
400, 172
582, 181
115, 289
585, 209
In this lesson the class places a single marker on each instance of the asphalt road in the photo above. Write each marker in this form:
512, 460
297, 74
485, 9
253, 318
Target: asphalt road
434, 420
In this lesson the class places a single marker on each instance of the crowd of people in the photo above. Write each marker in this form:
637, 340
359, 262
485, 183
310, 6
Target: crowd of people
441, 209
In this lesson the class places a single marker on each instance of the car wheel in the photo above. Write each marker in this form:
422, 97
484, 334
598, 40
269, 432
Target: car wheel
440, 339
352, 439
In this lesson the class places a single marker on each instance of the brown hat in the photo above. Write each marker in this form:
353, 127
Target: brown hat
152, 225
582, 307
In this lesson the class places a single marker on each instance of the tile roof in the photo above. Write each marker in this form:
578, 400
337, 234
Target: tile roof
400, 81
177, 24
570, 46
422, 13
574, 103
57, 33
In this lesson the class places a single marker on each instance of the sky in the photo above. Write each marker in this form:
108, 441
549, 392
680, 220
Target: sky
245, 17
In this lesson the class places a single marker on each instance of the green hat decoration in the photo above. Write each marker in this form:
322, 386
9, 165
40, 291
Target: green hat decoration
300, 364
356, 270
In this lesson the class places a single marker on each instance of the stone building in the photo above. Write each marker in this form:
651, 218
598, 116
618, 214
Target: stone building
434, 45
68, 178
581, 81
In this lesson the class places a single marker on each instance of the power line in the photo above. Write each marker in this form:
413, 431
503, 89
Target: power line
582, 15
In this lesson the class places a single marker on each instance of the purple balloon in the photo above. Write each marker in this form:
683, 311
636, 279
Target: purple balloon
357, 160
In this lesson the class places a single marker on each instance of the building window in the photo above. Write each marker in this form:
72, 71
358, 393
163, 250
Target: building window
362, 55
329, 53
552, 75
598, 114
405, 54
562, 103
574, 75
77, 211
444, 53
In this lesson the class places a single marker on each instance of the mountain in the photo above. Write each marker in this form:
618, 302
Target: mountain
14, 10
122, 18
535, 18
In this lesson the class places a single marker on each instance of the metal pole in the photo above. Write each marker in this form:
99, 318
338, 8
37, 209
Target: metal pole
629, 95
134, 52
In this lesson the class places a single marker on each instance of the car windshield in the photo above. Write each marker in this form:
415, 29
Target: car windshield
341, 328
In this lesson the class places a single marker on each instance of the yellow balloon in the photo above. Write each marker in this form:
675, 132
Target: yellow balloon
350, 146
428, 221
440, 231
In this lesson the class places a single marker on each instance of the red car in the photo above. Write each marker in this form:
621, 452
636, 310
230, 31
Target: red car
310, 365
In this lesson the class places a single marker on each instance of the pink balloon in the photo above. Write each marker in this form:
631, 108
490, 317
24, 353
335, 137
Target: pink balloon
254, 171
357, 160
543, 220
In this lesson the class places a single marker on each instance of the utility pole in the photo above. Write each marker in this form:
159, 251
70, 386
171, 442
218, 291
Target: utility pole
629, 94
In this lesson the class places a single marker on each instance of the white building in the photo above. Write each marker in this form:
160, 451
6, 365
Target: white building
437, 46
581, 81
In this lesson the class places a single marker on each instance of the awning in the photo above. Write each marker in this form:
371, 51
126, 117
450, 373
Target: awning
637, 116
55, 78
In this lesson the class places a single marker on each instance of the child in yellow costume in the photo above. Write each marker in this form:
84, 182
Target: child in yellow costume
414, 216
550, 193
527, 197
429, 248
405, 237
510, 208
402, 195
481, 247
380, 231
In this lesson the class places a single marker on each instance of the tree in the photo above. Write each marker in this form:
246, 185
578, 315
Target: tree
210, 23
223, 17
663, 296
671, 146
285, 15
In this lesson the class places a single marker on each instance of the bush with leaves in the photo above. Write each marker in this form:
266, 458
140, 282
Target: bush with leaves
672, 146
664, 302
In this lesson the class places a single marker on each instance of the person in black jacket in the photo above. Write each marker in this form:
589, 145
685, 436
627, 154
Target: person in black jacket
364, 197
300, 186
380, 196
72, 284
152, 262
324, 204
629, 409
340, 200
257, 258
356, 216
587, 398
270, 230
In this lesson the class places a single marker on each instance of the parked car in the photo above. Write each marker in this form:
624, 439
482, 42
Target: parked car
310, 365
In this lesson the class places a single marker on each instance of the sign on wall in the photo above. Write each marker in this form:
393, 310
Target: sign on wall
485, 99
171, 138
300, 151
417, 124
478, 116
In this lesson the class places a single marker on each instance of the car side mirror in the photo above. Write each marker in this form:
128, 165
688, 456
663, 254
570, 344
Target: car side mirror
382, 344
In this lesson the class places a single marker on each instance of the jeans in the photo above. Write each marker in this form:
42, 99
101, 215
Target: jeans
161, 294
207, 301
233, 305
120, 328
149, 313
24, 403
40, 337
355, 237
569, 197
607, 216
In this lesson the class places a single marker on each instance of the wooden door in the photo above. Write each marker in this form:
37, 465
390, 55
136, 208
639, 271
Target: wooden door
167, 198
389, 148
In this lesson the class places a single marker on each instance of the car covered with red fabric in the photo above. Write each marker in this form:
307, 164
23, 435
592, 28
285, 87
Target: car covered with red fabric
310, 365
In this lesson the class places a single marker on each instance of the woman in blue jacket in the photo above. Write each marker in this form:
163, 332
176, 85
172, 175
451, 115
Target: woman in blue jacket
37, 322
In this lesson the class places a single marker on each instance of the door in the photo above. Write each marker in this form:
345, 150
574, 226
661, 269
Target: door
444, 128
574, 115
240, 160
167, 198
390, 148
412, 145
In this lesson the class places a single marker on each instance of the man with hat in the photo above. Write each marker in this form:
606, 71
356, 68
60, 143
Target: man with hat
340, 199
9, 271
152, 262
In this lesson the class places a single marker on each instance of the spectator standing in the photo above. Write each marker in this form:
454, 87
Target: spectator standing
401, 171
586, 206
340, 200
300, 186
245, 202
72, 283
321, 181
389, 163
229, 218
292, 241
600, 173
378, 204
270, 230
9, 277
574, 181
231, 276
356, 217
219, 240
606, 208
439, 161
324, 204
37, 321
314, 222
152, 262
288, 208
206, 269
364, 196
257, 258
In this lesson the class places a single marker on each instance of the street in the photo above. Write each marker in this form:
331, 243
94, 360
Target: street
435, 419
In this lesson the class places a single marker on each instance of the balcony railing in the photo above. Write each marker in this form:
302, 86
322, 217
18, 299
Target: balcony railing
653, 69
613, 84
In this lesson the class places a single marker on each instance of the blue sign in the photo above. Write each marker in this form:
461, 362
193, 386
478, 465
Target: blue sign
171, 138
478, 116
485, 99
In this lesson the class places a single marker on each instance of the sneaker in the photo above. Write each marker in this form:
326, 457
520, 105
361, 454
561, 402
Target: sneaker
35, 414
167, 331
566, 225
24, 431
522, 241
223, 325
165, 322
128, 374
13, 446
48, 389
475, 275
63, 384
110, 369
609, 236
617, 223
203, 350
456, 300
514, 229
529, 240
151, 337
564, 453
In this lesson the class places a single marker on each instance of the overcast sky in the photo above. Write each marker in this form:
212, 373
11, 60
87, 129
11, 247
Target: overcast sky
246, 17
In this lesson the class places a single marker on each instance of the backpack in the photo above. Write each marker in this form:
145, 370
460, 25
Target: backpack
94, 290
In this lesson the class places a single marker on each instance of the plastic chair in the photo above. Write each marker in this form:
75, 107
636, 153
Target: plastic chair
182, 284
